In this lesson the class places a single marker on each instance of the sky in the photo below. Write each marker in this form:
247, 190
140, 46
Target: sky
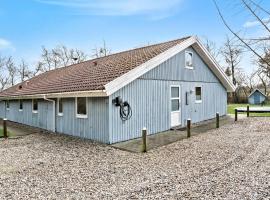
26, 25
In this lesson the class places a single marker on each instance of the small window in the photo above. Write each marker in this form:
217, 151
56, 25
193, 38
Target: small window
20, 105
198, 93
81, 107
7, 104
35, 105
189, 59
60, 107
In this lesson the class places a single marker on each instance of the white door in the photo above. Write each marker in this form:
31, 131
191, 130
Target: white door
175, 106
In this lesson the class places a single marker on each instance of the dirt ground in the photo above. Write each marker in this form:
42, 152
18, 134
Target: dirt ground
232, 162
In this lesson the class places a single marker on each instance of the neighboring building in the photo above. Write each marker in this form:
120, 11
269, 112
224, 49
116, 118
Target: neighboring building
256, 97
164, 84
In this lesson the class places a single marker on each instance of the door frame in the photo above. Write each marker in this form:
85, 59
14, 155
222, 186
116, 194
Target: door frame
180, 105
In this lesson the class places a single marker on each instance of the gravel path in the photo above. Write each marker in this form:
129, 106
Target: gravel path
232, 162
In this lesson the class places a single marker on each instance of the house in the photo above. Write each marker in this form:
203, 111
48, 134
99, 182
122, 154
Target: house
110, 99
257, 97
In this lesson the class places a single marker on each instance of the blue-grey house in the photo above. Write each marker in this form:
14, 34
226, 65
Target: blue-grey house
256, 97
110, 99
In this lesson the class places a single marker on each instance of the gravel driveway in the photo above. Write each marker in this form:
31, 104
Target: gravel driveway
232, 162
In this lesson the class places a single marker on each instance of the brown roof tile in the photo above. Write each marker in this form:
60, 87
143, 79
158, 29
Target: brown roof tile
88, 75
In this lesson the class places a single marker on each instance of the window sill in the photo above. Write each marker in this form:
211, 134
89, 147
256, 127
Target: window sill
187, 67
35, 111
81, 116
198, 101
20, 110
60, 114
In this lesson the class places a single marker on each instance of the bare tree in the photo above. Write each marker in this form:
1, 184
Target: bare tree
212, 48
101, 51
232, 57
3, 75
24, 72
58, 57
12, 70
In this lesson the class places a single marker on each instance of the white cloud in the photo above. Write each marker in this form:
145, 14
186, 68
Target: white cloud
152, 8
251, 24
5, 44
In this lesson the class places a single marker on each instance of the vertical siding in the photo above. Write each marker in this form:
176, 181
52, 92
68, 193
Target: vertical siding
149, 97
42, 119
2, 109
95, 127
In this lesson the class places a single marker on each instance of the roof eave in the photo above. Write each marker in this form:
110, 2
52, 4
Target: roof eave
92, 93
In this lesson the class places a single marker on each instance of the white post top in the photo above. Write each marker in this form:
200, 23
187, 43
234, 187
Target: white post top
5, 119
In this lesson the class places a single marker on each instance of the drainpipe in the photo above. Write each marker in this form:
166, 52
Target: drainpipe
54, 116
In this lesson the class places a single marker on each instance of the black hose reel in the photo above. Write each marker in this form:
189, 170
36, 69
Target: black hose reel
125, 109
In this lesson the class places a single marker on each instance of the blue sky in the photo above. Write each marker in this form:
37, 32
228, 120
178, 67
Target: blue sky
26, 25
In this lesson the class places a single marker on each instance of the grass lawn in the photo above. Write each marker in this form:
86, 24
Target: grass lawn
231, 108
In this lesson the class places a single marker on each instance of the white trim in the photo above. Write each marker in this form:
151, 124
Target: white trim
58, 113
80, 115
175, 98
193, 41
198, 101
186, 66
34, 111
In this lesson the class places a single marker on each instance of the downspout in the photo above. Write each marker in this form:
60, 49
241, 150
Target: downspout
54, 116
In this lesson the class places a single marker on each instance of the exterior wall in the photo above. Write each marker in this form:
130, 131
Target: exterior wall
149, 97
94, 127
42, 119
256, 96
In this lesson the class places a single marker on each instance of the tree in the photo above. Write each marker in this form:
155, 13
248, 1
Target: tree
3, 75
12, 70
101, 51
58, 57
23, 71
212, 48
232, 57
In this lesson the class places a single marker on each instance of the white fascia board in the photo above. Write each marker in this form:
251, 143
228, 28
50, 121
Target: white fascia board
135, 73
94, 93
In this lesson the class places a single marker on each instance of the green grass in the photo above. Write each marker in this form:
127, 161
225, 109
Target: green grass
231, 108
2, 133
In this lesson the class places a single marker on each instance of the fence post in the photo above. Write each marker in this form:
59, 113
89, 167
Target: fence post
188, 127
5, 128
217, 120
144, 134
235, 114
248, 110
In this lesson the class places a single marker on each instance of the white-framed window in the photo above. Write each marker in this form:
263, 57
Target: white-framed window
175, 98
189, 60
198, 94
20, 105
7, 105
81, 107
60, 107
34, 105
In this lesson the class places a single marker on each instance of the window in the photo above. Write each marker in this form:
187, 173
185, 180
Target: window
81, 107
35, 105
7, 104
20, 105
60, 106
189, 59
198, 93
175, 98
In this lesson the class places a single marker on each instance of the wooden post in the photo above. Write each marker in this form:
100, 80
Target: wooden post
217, 120
5, 127
188, 127
235, 114
248, 110
144, 134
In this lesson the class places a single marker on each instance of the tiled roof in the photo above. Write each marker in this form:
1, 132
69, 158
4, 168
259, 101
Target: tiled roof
89, 75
